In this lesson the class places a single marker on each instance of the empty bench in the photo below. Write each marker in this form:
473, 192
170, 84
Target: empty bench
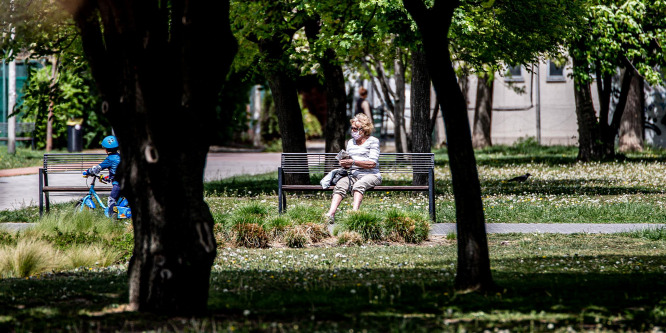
389, 163
60, 165
21, 128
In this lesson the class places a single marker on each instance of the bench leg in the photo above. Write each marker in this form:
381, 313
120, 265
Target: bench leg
431, 195
46, 194
280, 198
41, 192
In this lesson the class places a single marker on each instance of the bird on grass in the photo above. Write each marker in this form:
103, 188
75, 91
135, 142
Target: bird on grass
519, 179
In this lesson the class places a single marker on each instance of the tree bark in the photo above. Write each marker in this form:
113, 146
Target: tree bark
631, 125
420, 105
588, 143
483, 112
336, 125
401, 135
433, 23
161, 118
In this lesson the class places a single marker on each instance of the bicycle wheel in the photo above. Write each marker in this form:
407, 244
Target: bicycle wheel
81, 204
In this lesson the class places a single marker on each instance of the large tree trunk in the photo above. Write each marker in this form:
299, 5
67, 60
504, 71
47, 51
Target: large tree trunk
336, 97
420, 105
631, 125
473, 260
483, 112
589, 148
401, 136
161, 172
290, 120
609, 136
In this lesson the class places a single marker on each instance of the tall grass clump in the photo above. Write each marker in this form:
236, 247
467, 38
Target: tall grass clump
78, 223
28, 257
90, 256
350, 238
410, 227
303, 214
277, 226
249, 223
296, 236
653, 234
367, 224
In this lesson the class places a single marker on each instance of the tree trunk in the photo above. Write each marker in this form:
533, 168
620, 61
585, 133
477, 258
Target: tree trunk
631, 125
473, 260
420, 105
290, 119
614, 128
401, 145
336, 125
161, 118
483, 112
589, 147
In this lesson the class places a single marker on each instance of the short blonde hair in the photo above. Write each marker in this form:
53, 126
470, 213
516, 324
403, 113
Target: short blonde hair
366, 123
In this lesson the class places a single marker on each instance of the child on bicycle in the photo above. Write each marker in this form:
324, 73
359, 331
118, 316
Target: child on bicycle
111, 162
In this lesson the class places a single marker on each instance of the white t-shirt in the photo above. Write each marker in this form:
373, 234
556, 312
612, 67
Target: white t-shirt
368, 151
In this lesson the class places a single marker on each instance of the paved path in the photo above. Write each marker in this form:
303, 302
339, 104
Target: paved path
19, 191
493, 228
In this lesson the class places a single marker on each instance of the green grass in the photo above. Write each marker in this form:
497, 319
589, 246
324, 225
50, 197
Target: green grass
24, 157
546, 283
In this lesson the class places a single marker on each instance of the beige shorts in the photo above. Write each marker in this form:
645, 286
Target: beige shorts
361, 185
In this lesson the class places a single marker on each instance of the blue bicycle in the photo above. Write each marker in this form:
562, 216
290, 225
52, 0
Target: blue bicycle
92, 201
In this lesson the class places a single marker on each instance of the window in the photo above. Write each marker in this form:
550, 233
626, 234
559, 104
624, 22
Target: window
555, 72
514, 74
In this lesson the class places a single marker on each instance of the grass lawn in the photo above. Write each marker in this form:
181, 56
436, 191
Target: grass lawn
24, 157
546, 282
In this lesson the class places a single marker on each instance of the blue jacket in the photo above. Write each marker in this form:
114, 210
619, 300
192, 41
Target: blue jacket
110, 162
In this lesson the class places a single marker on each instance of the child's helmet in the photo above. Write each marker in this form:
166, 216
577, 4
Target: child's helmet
110, 142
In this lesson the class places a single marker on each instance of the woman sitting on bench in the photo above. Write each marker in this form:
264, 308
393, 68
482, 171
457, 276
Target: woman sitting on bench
363, 165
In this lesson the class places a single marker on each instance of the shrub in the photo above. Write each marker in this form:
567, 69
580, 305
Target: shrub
28, 257
350, 238
296, 236
251, 235
367, 224
404, 227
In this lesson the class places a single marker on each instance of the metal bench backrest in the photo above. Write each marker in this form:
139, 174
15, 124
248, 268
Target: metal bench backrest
26, 128
71, 163
388, 162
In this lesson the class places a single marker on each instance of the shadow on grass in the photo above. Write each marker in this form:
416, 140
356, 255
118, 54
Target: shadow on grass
379, 300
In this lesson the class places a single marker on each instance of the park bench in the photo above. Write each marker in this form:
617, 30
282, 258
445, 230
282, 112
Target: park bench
389, 163
66, 164
21, 128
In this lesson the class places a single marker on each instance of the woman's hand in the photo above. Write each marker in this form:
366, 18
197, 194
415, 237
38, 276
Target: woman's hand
346, 163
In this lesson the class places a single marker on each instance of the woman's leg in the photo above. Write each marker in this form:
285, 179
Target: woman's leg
358, 198
337, 199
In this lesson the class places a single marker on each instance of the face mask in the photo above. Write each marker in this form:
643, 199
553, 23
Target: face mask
356, 135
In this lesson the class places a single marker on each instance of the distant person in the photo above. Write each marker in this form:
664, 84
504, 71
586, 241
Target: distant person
110, 143
363, 148
362, 104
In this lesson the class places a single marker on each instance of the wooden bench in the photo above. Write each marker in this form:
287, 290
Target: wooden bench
21, 128
60, 164
389, 163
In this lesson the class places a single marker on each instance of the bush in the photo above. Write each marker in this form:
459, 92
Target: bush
350, 238
404, 227
251, 235
367, 224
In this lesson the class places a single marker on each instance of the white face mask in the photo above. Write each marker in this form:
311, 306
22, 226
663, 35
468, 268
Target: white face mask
356, 135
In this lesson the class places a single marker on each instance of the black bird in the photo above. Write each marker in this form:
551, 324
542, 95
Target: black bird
519, 179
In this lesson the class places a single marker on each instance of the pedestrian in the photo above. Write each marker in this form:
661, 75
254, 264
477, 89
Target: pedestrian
362, 104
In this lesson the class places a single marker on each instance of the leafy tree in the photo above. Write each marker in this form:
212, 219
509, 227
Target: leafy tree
630, 34
146, 60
